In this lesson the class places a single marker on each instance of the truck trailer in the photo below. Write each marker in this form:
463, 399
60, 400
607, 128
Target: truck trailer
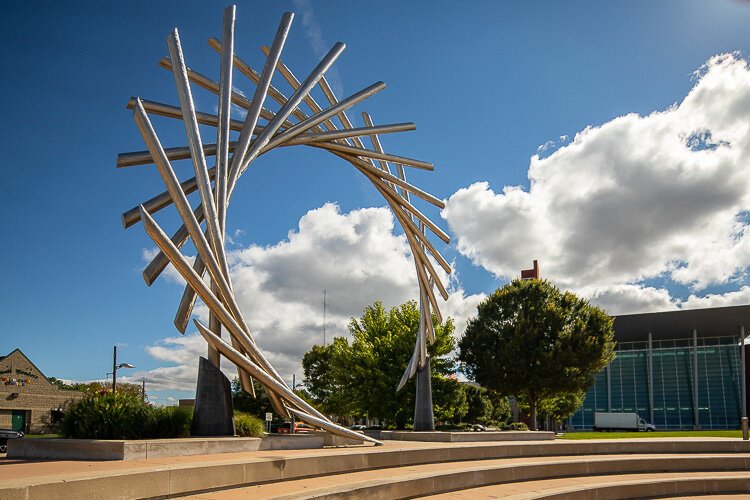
621, 422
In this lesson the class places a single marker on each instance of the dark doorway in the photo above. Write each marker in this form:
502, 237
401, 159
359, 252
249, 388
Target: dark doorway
18, 420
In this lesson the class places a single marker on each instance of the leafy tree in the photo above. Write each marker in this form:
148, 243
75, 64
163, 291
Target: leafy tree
256, 406
449, 403
500, 406
323, 386
562, 406
98, 387
360, 378
479, 405
531, 339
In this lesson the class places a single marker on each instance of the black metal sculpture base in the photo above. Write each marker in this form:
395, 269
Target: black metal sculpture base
212, 415
423, 417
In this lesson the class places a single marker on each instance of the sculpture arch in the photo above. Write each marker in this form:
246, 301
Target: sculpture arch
288, 126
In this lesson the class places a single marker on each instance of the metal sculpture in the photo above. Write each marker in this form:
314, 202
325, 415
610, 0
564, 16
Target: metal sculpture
287, 126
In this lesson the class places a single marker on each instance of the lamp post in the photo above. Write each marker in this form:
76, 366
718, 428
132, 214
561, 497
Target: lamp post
115, 366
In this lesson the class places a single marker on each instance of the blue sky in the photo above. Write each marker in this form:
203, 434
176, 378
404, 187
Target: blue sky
487, 84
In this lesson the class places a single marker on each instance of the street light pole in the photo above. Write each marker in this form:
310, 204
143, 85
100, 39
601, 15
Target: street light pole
114, 370
115, 366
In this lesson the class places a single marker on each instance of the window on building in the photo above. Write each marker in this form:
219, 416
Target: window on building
56, 416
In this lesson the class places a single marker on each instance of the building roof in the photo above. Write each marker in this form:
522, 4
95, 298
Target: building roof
21, 353
713, 322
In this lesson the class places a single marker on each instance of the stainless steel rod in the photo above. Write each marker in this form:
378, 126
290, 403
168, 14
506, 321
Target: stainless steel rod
261, 90
295, 84
376, 142
161, 109
159, 263
179, 69
183, 207
224, 117
254, 77
159, 201
214, 87
287, 108
235, 326
323, 115
134, 158
369, 153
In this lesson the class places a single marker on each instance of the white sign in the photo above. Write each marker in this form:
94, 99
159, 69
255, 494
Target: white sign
269, 417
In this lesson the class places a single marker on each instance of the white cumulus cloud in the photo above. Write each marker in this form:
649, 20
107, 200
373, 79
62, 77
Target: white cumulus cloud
357, 257
664, 196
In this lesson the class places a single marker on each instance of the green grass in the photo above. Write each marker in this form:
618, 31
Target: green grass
662, 434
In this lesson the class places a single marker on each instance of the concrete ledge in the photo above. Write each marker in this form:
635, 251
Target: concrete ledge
293, 441
165, 478
675, 471
467, 437
121, 449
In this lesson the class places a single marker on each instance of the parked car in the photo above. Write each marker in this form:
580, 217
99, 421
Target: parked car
358, 427
299, 428
5, 435
476, 428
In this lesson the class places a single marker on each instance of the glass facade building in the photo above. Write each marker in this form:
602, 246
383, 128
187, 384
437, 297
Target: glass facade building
666, 398
674, 383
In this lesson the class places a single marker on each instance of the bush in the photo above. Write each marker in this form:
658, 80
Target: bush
248, 426
170, 422
106, 416
123, 416
515, 426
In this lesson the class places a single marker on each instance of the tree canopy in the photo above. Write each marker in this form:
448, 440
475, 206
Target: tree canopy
360, 378
531, 339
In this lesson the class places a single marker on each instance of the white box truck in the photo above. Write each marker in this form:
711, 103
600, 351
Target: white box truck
621, 422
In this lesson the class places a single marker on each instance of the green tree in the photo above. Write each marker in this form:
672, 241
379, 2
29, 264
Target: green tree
256, 406
531, 339
479, 405
320, 381
561, 406
98, 387
500, 406
449, 402
360, 378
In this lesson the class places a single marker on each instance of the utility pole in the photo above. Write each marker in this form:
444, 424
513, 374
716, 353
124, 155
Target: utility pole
114, 370
325, 306
143, 390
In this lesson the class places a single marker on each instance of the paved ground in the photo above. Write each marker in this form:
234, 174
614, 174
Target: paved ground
526, 490
298, 486
36, 471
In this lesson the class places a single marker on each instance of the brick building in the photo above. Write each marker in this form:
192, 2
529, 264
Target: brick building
28, 401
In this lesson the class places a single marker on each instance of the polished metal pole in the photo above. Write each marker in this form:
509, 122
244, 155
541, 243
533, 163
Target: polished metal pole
294, 383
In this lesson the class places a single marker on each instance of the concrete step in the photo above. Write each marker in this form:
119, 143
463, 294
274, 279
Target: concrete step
174, 476
514, 474
713, 485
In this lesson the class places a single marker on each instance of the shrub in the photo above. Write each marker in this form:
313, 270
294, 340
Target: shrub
106, 416
515, 426
123, 416
170, 422
248, 426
